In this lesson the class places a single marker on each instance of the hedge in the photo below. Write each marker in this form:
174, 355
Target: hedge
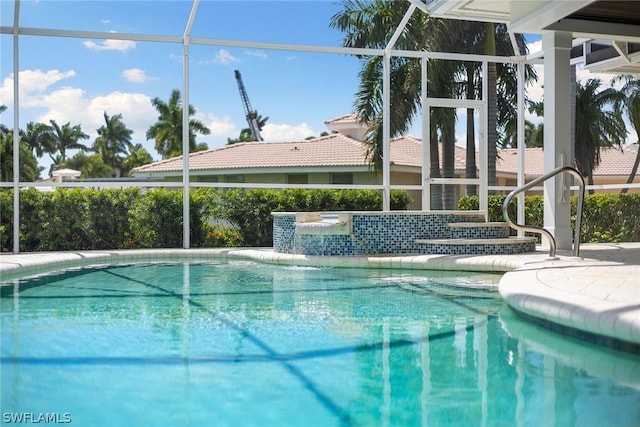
606, 217
85, 219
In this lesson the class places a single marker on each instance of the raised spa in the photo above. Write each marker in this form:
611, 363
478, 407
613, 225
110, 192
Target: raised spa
397, 232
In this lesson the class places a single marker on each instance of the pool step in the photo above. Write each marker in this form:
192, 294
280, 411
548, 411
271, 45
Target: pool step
497, 246
479, 230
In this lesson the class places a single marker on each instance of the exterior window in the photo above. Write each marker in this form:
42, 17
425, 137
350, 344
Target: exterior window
238, 179
342, 178
208, 178
298, 179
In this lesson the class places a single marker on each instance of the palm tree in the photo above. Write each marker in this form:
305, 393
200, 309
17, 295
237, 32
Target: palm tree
3, 128
370, 24
138, 156
631, 105
29, 170
66, 138
114, 138
597, 124
56, 163
167, 131
534, 136
91, 166
39, 138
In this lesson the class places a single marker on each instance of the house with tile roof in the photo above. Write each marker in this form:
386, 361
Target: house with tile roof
341, 158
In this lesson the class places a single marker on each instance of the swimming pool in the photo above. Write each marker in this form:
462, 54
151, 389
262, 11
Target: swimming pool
236, 343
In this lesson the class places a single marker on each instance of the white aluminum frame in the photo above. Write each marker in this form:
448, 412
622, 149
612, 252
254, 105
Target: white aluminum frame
186, 40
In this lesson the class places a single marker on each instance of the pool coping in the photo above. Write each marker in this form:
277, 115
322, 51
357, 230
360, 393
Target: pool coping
598, 293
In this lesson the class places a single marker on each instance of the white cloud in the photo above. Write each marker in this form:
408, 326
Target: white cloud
109, 44
135, 75
64, 105
535, 90
33, 83
70, 104
461, 139
535, 46
583, 75
224, 57
257, 54
136, 109
286, 132
221, 126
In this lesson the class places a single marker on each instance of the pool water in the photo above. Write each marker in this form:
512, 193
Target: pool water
245, 344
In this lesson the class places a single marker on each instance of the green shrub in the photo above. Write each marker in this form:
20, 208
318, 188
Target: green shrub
66, 222
399, 200
218, 236
605, 218
250, 212
109, 216
34, 211
156, 220
6, 220
611, 218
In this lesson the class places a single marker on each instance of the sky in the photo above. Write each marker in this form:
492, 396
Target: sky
76, 80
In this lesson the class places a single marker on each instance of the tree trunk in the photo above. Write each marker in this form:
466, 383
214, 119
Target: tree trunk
436, 189
448, 165
470, 171
634, 169
492, 105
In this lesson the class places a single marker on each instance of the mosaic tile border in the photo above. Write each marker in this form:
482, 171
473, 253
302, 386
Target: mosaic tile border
396, 233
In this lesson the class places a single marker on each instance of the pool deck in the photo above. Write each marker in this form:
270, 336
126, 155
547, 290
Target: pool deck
597, 294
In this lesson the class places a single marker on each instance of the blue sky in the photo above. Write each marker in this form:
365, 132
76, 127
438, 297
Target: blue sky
76, 79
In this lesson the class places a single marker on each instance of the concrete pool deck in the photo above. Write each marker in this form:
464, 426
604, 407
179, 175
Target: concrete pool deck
597, 294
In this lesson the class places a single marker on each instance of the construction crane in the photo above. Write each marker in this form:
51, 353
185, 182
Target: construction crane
249, 112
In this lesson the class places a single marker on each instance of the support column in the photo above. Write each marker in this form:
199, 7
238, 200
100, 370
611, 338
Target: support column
557, 135
16, 133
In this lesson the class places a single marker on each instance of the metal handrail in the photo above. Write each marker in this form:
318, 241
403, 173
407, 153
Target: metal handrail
542, 230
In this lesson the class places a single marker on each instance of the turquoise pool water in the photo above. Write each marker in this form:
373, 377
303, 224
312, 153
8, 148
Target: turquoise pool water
244, 344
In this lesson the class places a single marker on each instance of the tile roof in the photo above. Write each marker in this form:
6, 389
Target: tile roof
347, 118
407, 151
330, 150
507, 161
614, 161
337, 150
